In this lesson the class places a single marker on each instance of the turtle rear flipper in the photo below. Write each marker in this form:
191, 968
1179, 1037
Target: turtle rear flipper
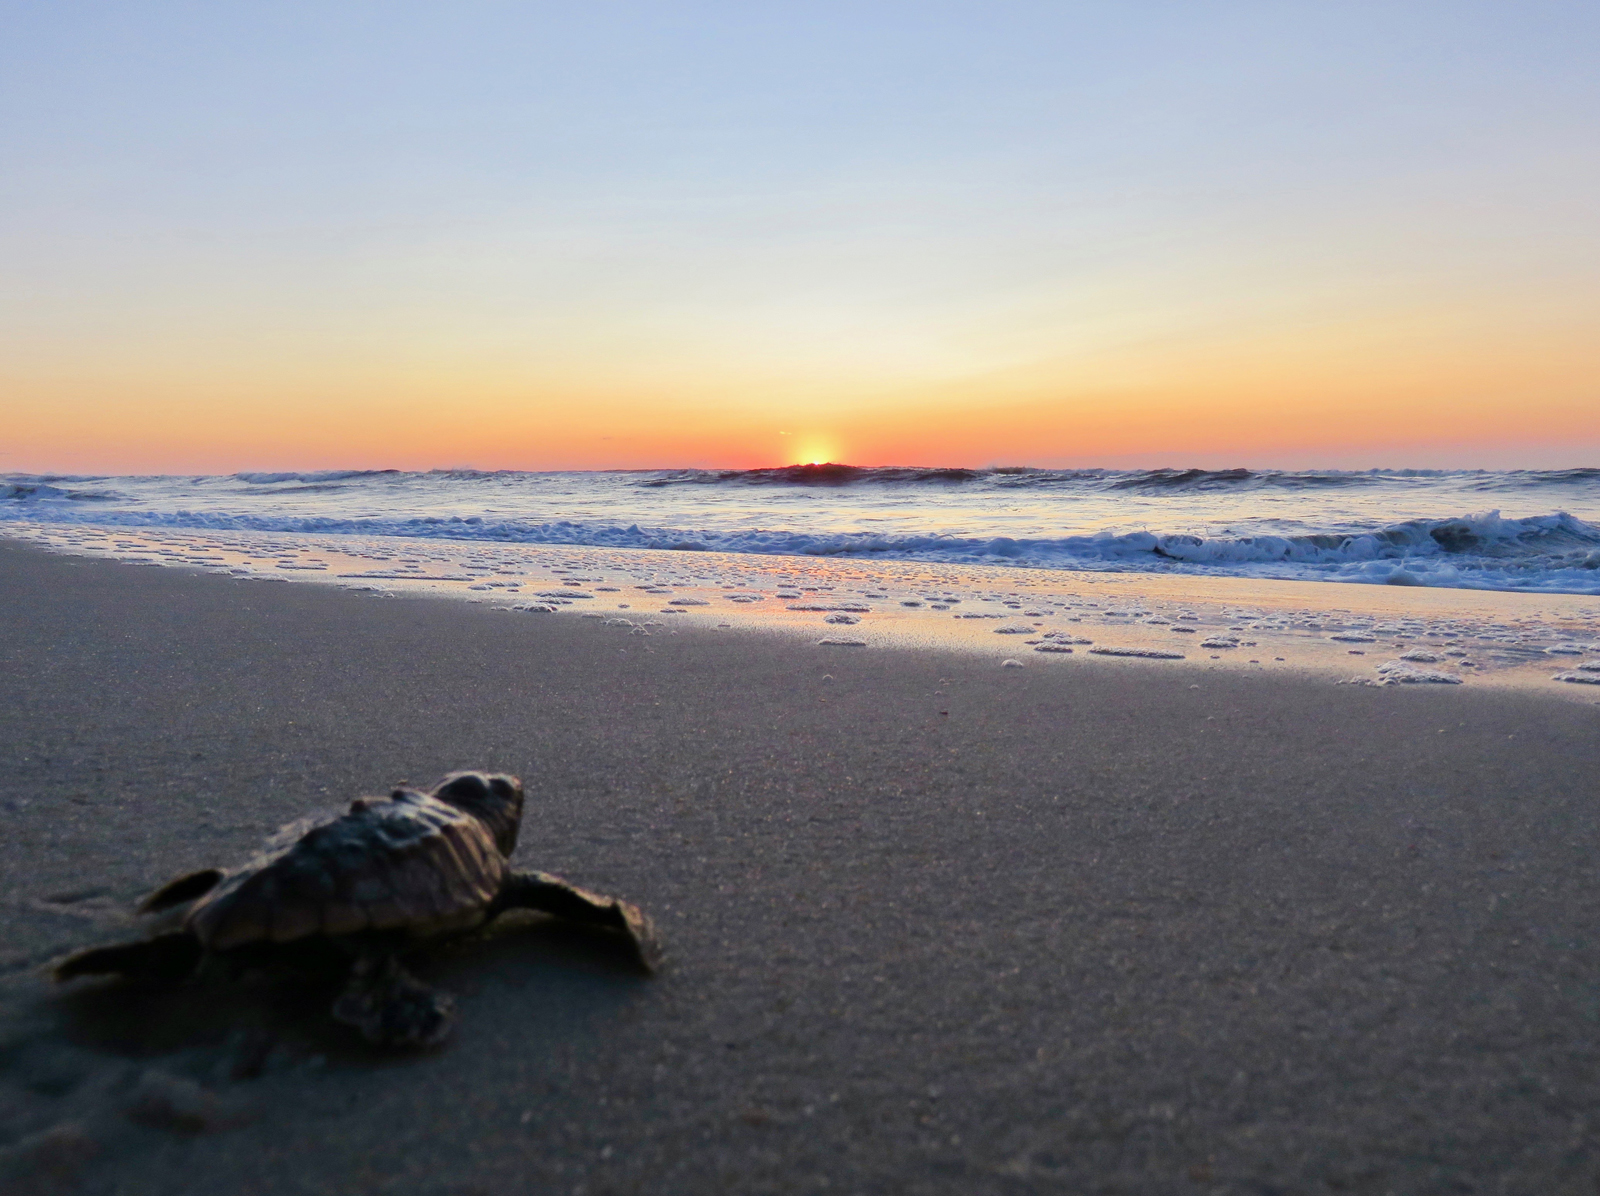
391, 1007
185, 888
166, 957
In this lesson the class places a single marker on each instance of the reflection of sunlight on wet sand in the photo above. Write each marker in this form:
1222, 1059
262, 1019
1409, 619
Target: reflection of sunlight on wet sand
1359, 633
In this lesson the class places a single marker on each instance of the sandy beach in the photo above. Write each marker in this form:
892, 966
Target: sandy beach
933, 925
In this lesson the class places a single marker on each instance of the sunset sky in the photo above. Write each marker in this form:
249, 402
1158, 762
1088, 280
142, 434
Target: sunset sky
546, 236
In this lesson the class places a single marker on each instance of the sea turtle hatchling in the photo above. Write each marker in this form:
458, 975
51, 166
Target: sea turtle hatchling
370, 883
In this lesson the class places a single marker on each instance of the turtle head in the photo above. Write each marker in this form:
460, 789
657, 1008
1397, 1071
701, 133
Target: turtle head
494, 799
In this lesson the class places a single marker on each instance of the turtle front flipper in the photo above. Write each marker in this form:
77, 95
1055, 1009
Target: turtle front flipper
391, 1007
552, 895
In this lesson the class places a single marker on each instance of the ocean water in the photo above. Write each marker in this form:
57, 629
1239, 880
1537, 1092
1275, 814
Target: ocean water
1522, 530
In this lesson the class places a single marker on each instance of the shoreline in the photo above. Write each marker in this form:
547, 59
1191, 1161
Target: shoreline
932, 924
1354, 634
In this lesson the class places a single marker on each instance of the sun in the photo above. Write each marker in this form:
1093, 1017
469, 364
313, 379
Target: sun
815, 451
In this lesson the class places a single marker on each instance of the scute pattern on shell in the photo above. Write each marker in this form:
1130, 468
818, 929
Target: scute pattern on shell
386, 863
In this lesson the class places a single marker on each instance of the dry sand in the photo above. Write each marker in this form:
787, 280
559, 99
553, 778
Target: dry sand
933, 925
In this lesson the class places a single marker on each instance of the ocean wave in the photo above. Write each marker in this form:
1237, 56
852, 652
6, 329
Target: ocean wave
1208, 479
40, 491
811, 475
1009, 477
319, 476
1150, 481
1516, 479
1004, 478
1556, 553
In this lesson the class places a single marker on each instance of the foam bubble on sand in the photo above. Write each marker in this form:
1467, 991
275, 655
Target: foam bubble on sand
1563, 650
688, 602
1047, 647
839, 642
1397, 672
822, 606
1220, 641
536, 608
1014, 629
1146, 653
1578, 678
1352, 638
844, 619
1420, 656
1010, 664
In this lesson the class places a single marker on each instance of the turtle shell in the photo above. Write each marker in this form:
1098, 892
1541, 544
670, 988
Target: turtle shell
409, 861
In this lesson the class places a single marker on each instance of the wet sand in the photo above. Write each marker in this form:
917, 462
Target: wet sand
1359, 634
933, 925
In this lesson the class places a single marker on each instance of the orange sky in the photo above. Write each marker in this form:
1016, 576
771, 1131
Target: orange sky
1353, 393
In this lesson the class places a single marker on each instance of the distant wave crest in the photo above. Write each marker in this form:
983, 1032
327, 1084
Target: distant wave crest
1152, 480
325, 475
810, 475
40, 491
1212, 479
1516, 479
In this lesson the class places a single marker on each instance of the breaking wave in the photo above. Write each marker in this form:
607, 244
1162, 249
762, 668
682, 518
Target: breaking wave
1555, 553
